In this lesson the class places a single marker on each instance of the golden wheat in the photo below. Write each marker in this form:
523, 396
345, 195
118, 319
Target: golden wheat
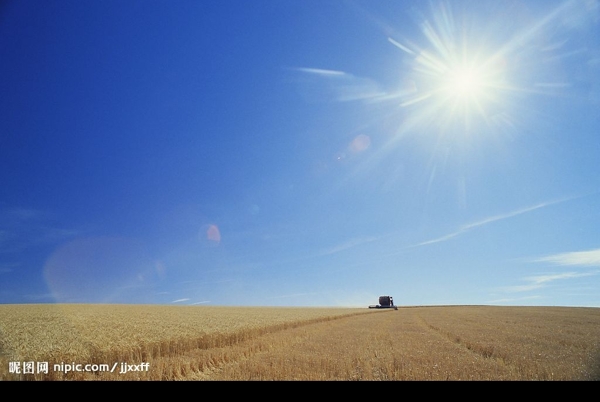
102, 334
433, 343
227, 343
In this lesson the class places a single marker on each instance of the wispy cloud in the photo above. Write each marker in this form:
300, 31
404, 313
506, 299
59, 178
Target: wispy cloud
515, 213
400, 46
180, 300
540, 281
348, 245
320, 71
201, 302
323, 84
521, 288
491, 219
439, 239
589, 258
514, 300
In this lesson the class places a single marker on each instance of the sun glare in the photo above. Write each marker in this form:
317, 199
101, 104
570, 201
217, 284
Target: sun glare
453, 90
464, 92
458, 77
465, 82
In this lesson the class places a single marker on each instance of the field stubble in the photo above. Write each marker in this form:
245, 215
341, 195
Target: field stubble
211, 343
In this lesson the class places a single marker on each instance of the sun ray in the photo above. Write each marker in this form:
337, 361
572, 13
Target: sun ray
465, 73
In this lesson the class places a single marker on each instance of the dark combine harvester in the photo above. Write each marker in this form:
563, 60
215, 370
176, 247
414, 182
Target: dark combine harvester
385, 302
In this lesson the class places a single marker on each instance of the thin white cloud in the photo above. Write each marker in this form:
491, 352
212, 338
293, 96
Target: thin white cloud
348, 245
522, 288
337, 85
513, 300
179, 300
439, 239
320, 71
512, 214
400, 46
491, 219
540, 281
201, 302
590, 258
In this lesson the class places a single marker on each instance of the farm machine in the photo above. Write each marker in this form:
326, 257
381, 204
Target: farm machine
385, 302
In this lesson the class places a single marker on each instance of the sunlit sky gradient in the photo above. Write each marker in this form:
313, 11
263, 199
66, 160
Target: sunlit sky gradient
300, 153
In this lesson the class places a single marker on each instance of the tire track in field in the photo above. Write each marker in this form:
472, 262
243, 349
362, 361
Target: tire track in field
392, 346
290, 351
203, 363
486, 353
410, 344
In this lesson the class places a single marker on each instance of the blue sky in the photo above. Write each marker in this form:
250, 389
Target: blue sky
300, 153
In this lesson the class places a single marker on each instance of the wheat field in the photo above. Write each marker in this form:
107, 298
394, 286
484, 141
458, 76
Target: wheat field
253, 343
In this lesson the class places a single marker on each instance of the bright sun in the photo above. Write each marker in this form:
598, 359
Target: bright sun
464, 83
454, 85
454, 79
